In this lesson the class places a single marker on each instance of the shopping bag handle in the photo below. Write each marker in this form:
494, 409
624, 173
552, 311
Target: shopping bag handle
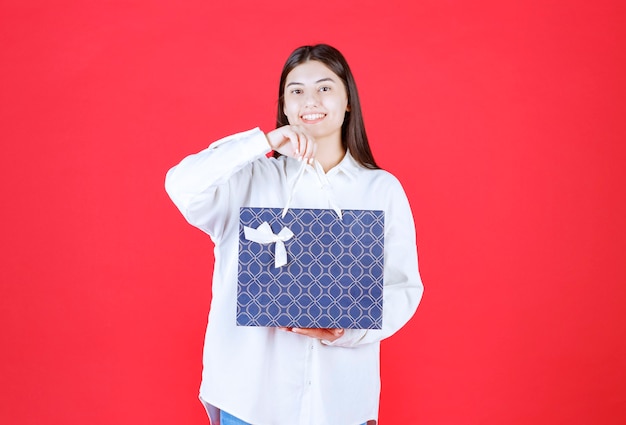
323, 179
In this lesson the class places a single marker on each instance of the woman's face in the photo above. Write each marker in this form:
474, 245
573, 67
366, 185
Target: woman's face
316, 99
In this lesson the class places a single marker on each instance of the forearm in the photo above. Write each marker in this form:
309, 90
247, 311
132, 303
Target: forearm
194, 182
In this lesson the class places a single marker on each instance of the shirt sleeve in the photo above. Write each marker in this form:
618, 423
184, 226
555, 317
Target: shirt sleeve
202, 179
403, 287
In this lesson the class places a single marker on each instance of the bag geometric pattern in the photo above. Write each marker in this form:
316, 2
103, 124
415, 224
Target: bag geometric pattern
333, 277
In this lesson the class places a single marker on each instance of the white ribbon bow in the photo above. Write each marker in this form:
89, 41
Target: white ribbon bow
264, 235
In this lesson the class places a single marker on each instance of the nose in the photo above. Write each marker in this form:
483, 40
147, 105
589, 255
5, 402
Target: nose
311, 98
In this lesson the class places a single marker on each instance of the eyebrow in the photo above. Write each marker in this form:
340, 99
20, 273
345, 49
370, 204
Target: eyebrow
317, 82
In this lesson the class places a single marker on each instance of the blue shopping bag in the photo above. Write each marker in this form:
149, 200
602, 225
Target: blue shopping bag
310, 268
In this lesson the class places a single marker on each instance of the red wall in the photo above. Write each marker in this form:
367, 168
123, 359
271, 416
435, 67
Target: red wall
505, 121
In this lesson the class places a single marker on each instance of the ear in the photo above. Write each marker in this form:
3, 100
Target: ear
348, 108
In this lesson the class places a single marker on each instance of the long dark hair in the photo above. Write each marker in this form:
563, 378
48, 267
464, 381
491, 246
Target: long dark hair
353, 136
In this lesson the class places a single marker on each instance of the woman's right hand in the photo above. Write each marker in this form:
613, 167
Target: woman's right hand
292, 140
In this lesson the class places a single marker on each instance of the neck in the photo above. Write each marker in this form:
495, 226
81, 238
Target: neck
329, 154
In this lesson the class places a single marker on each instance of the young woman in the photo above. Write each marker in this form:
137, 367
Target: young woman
293, 376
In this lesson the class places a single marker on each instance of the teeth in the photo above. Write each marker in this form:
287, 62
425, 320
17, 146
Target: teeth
311, 117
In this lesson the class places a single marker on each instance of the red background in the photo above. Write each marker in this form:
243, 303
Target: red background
504, 120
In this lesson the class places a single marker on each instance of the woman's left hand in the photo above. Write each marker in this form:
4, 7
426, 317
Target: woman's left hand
325, 334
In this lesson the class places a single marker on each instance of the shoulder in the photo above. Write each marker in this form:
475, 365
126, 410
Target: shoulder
379, 178
368, 175
386, 190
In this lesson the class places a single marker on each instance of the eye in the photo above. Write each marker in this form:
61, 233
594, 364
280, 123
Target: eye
324, 88
295, 91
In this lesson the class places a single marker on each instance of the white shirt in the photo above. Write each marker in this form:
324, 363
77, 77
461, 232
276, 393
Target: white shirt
267, 376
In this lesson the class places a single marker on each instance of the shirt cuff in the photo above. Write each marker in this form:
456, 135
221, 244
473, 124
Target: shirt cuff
349, 338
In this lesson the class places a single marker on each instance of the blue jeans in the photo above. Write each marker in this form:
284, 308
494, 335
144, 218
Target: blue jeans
228, 419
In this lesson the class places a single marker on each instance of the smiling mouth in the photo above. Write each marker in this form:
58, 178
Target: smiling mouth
313, 117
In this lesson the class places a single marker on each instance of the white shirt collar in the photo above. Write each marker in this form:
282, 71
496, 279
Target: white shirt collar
347, 166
